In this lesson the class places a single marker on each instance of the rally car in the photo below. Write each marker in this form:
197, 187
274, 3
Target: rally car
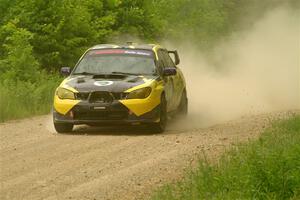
121, 84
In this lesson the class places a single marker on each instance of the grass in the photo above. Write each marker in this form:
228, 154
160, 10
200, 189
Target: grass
24, 99
268, 168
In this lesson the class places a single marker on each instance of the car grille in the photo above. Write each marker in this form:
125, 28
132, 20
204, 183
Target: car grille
100, 96
119, 95
82, 96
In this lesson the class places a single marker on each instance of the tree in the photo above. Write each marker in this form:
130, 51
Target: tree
18, 64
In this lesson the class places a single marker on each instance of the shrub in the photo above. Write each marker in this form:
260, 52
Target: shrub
25, 89
268, 168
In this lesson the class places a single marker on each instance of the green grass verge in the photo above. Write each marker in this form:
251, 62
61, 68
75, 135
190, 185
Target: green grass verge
24, 99
268, 168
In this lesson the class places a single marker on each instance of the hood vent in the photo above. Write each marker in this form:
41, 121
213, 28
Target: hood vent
134, 80
109, 76
80, 80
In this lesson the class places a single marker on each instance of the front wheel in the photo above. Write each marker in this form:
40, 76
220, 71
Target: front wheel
160, 126
63, 127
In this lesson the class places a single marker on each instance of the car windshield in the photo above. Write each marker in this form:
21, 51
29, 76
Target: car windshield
110, 61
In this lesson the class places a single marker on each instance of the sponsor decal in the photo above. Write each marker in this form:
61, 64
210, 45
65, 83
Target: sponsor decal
143, 53
120, 51
103, 83
99, 108
117, 51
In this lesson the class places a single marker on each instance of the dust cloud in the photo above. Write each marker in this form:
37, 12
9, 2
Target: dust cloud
253, 72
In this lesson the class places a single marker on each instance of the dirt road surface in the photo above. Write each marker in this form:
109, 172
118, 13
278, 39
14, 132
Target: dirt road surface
109, 163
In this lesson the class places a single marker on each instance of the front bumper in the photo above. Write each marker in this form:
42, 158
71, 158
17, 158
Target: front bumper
113, 113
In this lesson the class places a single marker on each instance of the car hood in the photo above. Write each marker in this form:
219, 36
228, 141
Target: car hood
110, 83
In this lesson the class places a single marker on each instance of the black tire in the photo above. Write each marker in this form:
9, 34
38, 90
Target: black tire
183, 106
160, 126
63, 127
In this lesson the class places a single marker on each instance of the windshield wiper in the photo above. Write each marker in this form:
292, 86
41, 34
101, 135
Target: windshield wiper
124, 73
83, 73
89, 73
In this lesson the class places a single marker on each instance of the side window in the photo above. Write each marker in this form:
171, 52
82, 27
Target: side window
161, 61
168, 60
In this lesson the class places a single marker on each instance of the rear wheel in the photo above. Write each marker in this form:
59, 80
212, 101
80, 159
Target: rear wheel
160, 126
183, 106
63, 127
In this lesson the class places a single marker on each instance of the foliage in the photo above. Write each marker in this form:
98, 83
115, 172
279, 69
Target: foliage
264, 169
24, 99
18, 64
61, 30
38, 37
25, 89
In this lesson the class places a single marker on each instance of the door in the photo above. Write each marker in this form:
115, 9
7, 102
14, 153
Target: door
176, 80
168, 80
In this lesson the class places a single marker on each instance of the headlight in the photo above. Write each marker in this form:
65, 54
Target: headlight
63, 93
140, 93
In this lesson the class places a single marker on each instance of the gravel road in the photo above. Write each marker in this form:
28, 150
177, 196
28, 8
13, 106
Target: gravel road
109, 163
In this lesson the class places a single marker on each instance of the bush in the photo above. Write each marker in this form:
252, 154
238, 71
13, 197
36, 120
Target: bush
18, 62
265, 169
24, 99
25, 89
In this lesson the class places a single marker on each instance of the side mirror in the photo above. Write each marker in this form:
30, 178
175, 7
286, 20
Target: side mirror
170, 71
176, 56
65, 71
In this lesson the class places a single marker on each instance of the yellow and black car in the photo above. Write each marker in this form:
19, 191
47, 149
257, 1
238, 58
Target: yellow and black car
121, 84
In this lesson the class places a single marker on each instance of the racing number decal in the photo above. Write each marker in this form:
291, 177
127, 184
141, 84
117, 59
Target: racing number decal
103, 83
